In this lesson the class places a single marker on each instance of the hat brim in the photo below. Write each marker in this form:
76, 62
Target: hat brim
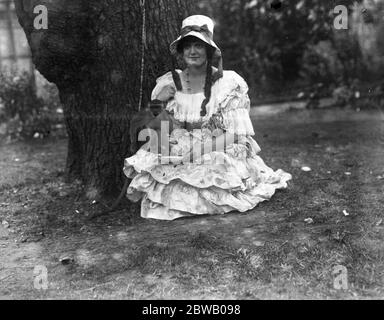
173, 46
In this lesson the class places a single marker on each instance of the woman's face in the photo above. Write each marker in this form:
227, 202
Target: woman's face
194, 52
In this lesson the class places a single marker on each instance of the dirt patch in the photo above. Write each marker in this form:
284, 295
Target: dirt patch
285, 248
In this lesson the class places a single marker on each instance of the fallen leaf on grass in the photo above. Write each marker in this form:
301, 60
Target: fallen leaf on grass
308, 220
5, 224
63, 193
379, 222
66, 260
259, 243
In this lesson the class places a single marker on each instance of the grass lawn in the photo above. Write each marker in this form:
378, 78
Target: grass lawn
286, 248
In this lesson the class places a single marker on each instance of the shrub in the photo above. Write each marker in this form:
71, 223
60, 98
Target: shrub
23, 114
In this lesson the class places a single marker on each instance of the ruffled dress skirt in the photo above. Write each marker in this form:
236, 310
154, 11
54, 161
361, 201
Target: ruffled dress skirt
220, 182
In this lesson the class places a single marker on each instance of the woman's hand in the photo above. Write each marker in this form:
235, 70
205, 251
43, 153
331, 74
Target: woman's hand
168, 92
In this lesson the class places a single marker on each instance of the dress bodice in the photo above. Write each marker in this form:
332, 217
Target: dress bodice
222, 179
228, 107
189, 106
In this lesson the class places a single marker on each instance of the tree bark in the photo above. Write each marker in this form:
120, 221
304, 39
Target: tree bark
92, 52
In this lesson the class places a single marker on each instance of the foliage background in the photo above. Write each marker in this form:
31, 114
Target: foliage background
281, 47
284, 50
26, 112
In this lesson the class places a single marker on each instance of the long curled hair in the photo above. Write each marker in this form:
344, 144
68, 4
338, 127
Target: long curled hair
209, 79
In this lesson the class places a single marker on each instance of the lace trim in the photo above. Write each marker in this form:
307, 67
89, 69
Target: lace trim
229, 94
231, 85
189, 111
238, 121
162, 81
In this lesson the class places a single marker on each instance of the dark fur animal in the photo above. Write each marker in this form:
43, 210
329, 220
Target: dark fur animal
149, 118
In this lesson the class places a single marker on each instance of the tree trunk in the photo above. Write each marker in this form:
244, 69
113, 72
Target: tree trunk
92, 52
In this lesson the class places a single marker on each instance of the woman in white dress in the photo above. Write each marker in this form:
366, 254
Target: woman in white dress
218, 169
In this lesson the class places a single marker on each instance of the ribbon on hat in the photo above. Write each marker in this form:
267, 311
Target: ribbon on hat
202, 29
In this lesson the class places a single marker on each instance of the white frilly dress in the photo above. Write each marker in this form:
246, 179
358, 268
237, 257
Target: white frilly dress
238, 182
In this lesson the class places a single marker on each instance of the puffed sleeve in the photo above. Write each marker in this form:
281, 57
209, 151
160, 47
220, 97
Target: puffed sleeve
161, 82
234, 104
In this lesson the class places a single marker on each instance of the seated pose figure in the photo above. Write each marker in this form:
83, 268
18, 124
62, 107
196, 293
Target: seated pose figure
215, 168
